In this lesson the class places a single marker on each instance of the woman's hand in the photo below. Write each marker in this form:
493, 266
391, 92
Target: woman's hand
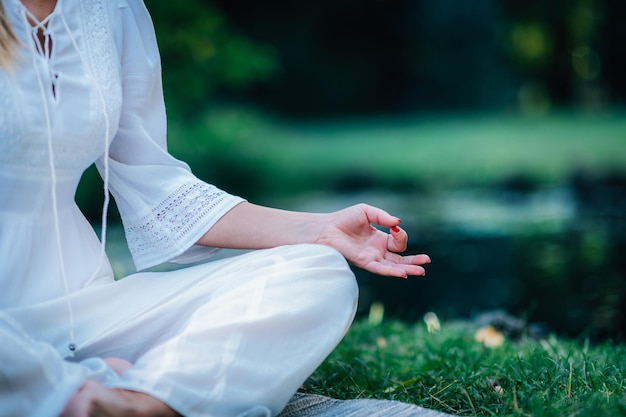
350, 231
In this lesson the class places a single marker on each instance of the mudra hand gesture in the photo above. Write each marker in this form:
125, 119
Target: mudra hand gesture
352, 233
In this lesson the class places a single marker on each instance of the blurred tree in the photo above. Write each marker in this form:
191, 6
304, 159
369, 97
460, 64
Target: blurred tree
555, 45
457, 61
357, 56
611, 49
203, 54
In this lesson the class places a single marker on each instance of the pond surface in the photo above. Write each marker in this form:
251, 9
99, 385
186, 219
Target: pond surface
539, 255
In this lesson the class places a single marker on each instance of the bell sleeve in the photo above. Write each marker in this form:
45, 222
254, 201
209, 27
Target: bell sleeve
165, 209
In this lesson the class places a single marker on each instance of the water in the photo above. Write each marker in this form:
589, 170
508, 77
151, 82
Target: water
538, 255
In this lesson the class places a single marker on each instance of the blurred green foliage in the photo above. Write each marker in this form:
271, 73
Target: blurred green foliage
357, 56
222, 148
256, 155
260, 157
203, 54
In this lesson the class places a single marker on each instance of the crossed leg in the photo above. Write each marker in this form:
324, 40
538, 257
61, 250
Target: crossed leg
287, 307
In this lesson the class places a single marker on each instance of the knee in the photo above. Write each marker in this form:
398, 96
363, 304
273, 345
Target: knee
333, 279
340, 274
315, 279
329, 263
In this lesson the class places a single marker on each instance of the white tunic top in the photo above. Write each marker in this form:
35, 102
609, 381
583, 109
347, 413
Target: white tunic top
59, 105
235, 337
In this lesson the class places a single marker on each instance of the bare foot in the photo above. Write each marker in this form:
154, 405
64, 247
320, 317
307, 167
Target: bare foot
96, 400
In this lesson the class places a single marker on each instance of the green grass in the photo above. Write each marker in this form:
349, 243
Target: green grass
452, 372
473, 149
436, 151
261, 157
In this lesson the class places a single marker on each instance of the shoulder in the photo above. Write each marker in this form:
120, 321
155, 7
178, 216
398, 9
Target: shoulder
129, 12
133, 29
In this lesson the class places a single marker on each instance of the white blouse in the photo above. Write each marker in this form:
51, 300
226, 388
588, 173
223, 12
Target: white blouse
232, 337
92, 88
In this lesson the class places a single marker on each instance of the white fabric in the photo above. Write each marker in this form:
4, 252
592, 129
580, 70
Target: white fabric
227, 338
144, 178
224, 338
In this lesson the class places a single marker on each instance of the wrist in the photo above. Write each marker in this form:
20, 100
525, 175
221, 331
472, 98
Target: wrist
321, 229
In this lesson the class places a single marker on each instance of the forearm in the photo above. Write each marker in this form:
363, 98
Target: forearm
350, 231
249, 226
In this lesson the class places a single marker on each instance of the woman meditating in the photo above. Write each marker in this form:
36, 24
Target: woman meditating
80, 83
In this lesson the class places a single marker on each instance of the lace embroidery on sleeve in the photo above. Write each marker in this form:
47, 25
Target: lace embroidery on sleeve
160, 235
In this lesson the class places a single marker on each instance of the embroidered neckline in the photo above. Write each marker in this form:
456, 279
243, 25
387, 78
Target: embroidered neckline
40, 31
35, 21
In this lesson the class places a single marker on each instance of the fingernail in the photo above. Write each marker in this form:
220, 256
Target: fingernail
395, 229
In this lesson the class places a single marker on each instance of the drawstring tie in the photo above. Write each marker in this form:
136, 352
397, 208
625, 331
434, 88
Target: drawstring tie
33, 25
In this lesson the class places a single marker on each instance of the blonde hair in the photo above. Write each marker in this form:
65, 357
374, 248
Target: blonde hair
8, 41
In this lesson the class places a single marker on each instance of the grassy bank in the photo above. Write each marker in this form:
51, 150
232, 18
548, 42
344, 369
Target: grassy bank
261, 157
245, 149
451, 371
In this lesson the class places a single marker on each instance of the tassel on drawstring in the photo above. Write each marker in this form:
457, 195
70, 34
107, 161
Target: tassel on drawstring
45, 50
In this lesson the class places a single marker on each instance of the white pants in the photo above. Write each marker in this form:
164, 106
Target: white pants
234, 337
